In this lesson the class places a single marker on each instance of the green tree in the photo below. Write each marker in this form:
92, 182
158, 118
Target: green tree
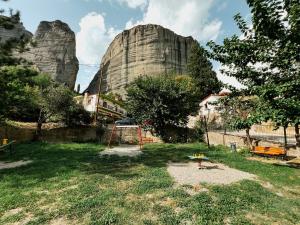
200, 69
235, 112
16, 84
161, 102
266, 59
280, 25
6, 47
54, 101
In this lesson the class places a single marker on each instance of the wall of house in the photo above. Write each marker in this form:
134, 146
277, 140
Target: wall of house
90, 102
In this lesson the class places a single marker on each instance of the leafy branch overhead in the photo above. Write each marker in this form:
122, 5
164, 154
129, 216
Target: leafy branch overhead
266, 60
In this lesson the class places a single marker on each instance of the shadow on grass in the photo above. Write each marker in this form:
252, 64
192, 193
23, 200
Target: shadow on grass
52, 159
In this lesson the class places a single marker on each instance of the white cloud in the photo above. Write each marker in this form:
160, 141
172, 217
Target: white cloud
185, 17
134, 3
93, 38
227, 79
129, 3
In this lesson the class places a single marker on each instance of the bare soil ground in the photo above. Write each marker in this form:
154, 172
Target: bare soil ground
9, 165
214, 173
123, 150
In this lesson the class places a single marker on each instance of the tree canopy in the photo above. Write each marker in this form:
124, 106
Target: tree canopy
161, 102
201, 70
266, 59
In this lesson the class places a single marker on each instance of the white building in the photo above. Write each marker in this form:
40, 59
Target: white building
208, 108
208, 105
90, 102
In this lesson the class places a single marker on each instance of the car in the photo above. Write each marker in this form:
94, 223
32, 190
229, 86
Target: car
125, 121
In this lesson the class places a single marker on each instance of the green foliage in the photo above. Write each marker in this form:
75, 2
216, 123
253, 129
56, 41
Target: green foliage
200, 69
6, 56
236, 111
114, 98
199, 131
76, 115
160, 102
17, 91
266, 60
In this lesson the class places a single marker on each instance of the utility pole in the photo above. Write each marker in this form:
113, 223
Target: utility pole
99, 93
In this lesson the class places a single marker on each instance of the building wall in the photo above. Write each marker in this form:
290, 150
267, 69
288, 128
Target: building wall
90, 104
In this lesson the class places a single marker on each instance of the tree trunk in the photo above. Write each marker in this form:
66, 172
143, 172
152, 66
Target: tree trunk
249, 142
38, 133
285, 138
5, 130
297, 134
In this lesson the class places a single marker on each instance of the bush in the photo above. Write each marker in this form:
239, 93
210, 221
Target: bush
77, 115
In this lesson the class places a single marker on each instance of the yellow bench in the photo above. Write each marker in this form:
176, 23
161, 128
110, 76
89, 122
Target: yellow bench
271, 151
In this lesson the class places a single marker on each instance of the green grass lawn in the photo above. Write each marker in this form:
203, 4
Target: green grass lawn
70, 184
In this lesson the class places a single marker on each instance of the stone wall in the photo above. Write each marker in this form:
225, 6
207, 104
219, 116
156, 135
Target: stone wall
216, 138
81, 134
269, 128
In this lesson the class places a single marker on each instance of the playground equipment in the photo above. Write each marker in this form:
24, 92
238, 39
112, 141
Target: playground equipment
199, 158
121, 128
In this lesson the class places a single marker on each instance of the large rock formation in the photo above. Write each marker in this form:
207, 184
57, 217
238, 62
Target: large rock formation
52, 49
13, 31
143, 50
54, 52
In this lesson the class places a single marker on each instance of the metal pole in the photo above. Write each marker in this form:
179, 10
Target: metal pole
206, 130
99, 93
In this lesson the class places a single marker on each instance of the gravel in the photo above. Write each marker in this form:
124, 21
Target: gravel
214, 173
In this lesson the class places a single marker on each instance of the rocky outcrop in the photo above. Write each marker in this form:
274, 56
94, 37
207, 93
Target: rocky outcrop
143, 50
12, 31
53, 51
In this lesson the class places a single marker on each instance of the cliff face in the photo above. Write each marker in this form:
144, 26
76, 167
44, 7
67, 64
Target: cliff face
54, 52
17, 31
52, 49
143, 50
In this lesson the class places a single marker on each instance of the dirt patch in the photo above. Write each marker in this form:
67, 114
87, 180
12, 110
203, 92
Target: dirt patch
61, 221
10, 165
216, 173
124, 150
26, 220
12, 212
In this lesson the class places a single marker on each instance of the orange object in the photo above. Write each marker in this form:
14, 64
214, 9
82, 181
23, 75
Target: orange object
5, 141
274, 151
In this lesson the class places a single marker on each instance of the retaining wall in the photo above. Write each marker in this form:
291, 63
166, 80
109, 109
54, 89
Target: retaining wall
78, 134
216, 138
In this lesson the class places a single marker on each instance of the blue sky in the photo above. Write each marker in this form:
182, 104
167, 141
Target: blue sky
96, 22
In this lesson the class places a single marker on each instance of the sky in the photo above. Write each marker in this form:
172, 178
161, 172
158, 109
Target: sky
97, 22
